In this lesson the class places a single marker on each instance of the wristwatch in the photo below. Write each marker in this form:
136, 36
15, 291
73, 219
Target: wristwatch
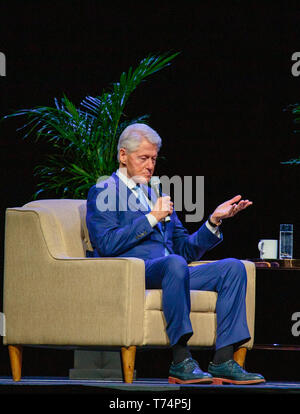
213, 224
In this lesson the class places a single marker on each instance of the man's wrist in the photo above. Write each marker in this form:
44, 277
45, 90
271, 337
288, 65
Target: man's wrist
158, 217
214, 222
152, 219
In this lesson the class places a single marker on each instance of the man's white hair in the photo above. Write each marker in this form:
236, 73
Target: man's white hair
132, 136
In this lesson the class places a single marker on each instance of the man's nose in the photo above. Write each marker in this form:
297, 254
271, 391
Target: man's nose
150, 164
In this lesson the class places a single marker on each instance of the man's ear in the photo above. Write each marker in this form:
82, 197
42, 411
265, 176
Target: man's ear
123, 156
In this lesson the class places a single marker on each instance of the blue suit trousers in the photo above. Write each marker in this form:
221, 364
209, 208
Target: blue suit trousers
227, 277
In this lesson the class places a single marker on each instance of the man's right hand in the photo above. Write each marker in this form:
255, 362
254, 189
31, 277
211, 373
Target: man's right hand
162, 208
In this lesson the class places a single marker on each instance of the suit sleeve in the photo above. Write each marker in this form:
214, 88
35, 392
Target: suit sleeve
192, 247
107, 235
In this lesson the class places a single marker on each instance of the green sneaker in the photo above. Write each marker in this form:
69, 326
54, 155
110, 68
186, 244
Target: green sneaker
188, 372
231, 372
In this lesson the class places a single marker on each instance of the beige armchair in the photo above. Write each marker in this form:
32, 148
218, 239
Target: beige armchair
55, 296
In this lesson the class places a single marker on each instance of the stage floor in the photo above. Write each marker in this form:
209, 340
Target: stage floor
61, 385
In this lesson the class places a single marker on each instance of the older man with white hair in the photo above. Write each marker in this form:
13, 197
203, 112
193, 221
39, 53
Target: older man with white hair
131, 226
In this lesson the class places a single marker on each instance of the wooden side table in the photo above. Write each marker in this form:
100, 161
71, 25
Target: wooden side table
277, 304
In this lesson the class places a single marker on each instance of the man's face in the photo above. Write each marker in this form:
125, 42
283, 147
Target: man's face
140, 164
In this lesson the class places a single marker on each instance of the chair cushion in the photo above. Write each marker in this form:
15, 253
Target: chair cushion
201, 301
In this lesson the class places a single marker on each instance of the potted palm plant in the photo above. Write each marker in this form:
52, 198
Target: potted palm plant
84, 139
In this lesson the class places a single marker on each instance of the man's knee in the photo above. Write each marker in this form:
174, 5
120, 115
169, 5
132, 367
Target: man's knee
235, 264
176, 261
235, 268
177, 266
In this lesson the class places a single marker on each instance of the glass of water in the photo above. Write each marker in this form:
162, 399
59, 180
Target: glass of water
286, 241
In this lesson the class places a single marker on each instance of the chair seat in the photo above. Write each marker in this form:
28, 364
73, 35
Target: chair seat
201, 301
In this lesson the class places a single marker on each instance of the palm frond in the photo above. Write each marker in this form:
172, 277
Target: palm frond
84, 138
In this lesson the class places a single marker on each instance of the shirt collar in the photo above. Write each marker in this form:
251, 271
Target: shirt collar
129, 182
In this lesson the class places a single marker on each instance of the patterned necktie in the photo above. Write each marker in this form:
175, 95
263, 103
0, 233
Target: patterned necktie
143, 200
141, 197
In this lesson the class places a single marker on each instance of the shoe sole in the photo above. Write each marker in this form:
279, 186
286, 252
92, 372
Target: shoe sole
220, 381
174, 380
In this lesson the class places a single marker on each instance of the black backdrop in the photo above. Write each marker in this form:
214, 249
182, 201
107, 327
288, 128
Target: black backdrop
218, 107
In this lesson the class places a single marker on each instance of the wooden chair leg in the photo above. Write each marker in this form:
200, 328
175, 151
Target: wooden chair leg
128, 360
15, 356
240, 356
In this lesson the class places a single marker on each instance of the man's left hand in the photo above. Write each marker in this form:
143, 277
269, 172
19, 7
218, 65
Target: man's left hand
229, 209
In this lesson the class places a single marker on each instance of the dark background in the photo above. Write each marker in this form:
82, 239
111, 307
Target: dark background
219, 107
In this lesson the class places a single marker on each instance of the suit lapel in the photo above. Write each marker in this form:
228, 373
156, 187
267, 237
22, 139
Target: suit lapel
126, 198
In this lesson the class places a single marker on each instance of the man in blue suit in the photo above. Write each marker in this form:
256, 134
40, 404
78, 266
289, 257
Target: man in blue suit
125, 218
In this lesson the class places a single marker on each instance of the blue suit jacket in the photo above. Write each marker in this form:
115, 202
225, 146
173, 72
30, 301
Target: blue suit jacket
123, 230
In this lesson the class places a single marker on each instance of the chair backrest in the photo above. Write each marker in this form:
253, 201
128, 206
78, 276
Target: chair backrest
63, 223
